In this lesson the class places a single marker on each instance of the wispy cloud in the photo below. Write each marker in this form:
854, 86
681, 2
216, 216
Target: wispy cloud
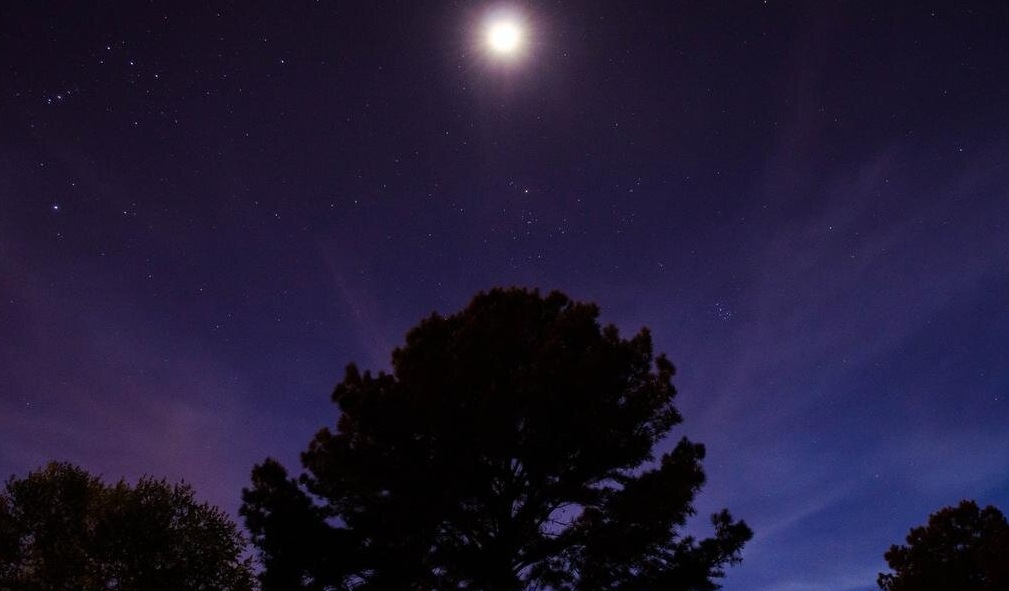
149, 402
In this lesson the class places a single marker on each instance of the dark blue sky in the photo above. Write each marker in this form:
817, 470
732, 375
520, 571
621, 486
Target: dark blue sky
208, 209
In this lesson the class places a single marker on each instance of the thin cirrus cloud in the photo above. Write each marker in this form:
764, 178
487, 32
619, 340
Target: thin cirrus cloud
838, 298
147, 403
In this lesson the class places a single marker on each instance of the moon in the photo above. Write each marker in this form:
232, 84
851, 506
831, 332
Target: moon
504, 36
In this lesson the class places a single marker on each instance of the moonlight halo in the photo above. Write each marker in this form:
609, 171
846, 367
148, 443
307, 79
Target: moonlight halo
504, 34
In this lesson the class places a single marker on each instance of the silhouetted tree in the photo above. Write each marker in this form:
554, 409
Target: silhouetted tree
962, 548
511, 448
62, 529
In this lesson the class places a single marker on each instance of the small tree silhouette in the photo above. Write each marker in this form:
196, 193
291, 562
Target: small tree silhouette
963, 548
62, 529
511, 448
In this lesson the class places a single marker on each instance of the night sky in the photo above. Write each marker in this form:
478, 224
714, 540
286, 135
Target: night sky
208, 209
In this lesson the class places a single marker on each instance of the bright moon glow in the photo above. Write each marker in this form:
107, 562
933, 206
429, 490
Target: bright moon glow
504, 36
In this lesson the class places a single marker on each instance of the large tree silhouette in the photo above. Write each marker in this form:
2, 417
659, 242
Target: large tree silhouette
965, 548
62, 529
511, 448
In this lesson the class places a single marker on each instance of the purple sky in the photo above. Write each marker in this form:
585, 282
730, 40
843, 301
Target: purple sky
206, 211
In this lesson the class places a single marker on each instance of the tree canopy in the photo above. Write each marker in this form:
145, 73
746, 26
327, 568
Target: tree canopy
964, 548
512, 447
62, 529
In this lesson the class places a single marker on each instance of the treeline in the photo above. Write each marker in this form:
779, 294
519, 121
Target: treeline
514, 446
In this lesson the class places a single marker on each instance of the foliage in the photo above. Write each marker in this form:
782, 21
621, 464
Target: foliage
62, 529
964, 548
511, 448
